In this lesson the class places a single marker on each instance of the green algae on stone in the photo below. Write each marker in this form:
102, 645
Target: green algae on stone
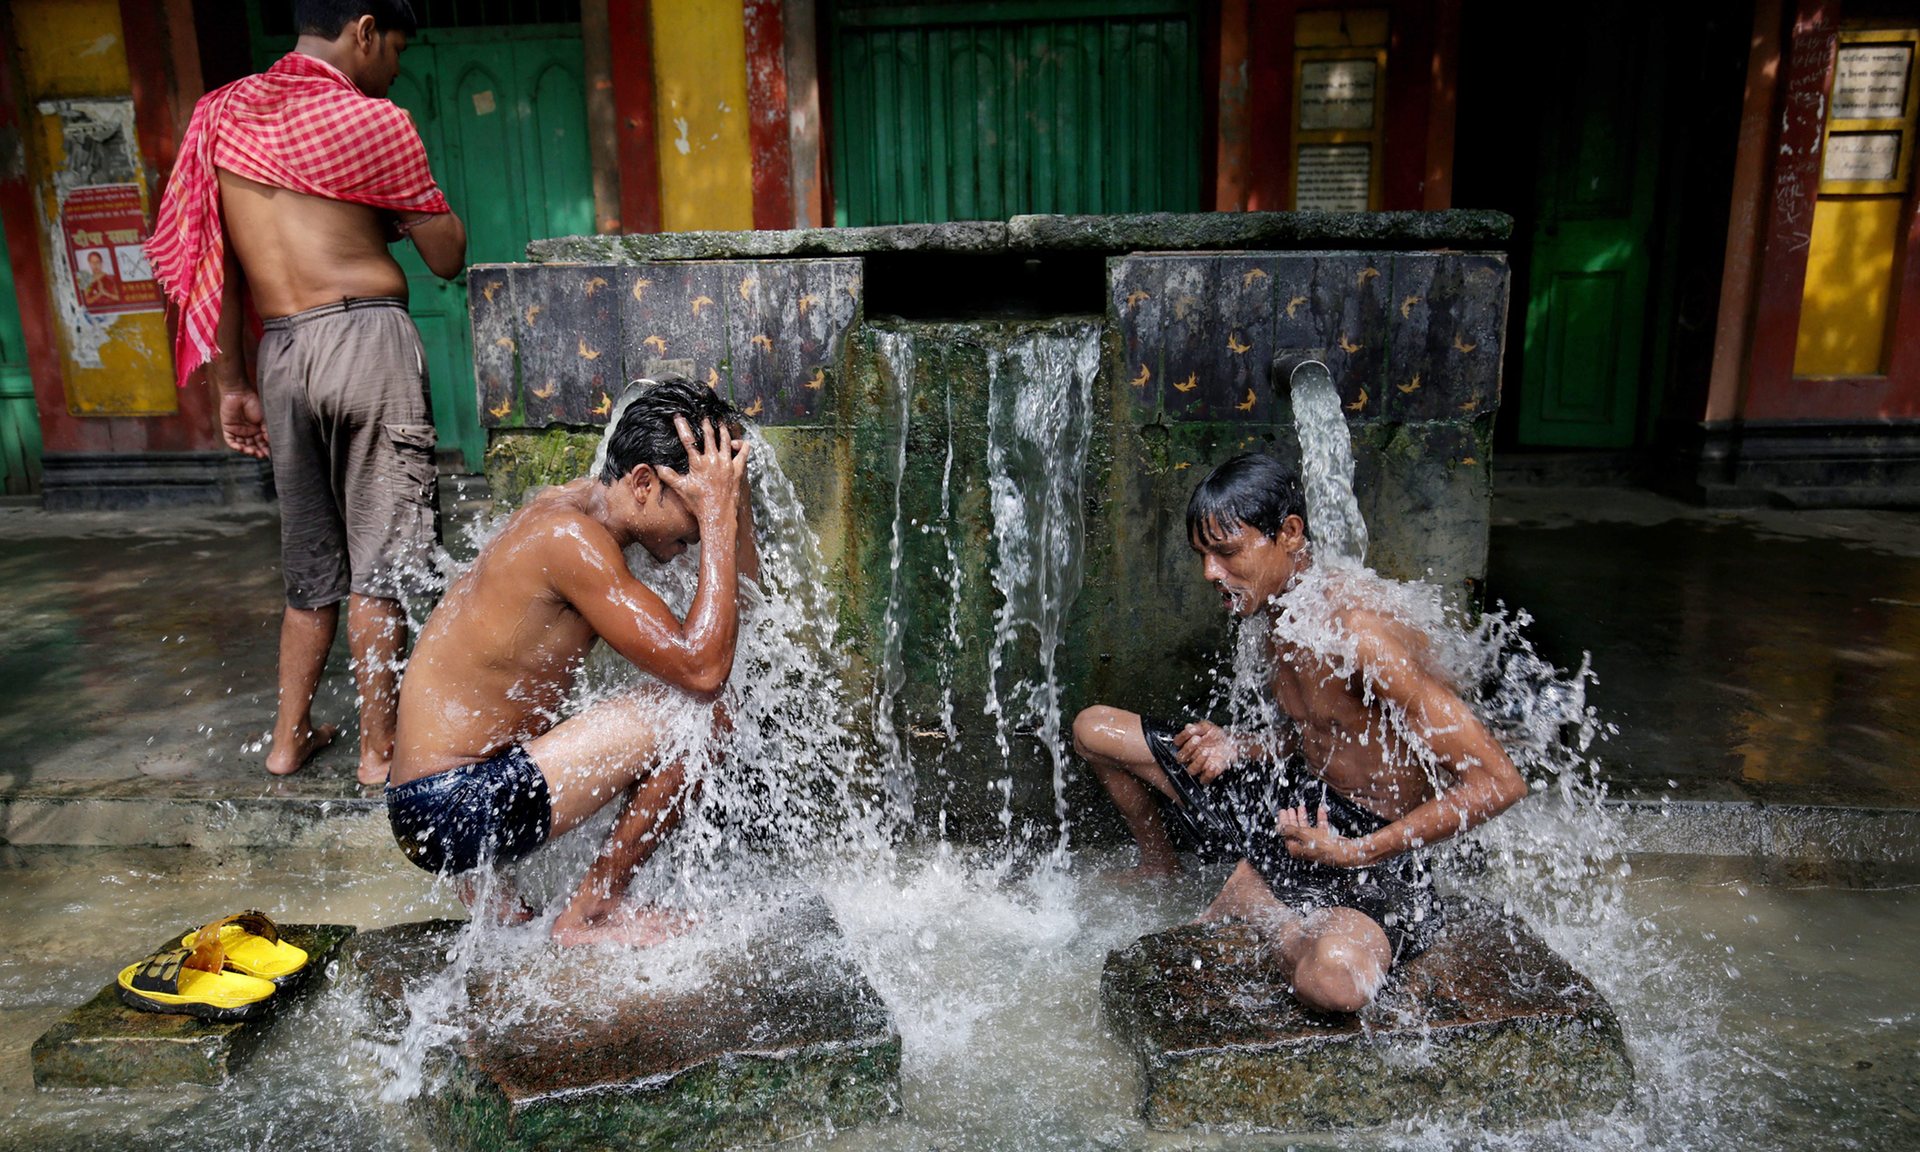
766, 1048
107, 1044
518, 463
1488, 1026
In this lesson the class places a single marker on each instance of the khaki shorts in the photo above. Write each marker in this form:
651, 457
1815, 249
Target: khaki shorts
350, 435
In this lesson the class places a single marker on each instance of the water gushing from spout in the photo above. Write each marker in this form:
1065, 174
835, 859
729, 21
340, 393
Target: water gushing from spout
1326, 466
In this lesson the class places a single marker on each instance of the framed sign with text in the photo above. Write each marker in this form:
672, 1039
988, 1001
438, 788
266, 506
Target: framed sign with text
1339, 89
1870, 113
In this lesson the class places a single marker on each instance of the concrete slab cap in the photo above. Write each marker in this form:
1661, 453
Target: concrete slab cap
106, 1044
1489, 1026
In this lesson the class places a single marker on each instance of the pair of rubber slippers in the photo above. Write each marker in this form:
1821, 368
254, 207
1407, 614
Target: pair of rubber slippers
228, 970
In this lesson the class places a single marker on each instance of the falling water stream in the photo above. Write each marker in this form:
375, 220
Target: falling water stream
1749, 1011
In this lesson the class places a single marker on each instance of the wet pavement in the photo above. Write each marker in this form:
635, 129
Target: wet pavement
1757, 655
1769, 656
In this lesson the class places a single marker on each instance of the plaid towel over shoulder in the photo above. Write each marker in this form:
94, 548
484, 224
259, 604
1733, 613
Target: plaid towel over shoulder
300, 125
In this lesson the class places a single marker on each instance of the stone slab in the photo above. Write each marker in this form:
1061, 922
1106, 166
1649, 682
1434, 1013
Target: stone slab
1146, 231
105, 1044
1488, 1026
775, 1045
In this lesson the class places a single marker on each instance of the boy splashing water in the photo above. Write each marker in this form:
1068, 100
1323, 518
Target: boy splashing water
484, 771
1324, 815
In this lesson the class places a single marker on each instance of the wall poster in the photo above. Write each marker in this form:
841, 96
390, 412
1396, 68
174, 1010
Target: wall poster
105, 226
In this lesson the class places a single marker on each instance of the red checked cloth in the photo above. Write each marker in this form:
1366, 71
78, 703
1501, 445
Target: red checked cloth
300, 125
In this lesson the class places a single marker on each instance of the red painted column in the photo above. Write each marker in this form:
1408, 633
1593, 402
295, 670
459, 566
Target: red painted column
1269, 104
163, 63
1234, 146
767, 127
1407, 112
630, 31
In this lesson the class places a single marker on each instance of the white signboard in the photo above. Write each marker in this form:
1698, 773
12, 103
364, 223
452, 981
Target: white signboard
1870, 82
1333, 177
1862, 156
1337, 94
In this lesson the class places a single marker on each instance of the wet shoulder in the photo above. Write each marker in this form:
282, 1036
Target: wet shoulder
550, 535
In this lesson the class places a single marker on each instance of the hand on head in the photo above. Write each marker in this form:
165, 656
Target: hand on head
716, 471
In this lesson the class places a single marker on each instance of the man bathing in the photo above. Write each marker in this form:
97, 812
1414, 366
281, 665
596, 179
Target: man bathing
482, 773
311, 173
1327, 857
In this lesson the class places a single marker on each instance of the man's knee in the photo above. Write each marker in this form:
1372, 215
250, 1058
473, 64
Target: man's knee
1344, 964
1096, 732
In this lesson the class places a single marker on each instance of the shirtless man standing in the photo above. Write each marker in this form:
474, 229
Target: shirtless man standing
483, 773
311, 173
1328, 865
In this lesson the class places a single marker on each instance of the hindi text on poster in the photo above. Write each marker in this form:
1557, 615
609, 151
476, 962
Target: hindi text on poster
105, 228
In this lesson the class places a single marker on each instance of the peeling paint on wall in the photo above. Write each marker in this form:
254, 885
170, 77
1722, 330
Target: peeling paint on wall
97, 141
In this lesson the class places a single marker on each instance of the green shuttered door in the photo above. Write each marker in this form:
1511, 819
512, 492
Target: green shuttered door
985, 111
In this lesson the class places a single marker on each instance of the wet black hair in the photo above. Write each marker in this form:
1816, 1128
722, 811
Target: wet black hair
646, 434
1250, 489
325, 18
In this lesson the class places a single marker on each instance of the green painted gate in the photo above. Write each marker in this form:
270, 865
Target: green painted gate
981, 111
502, 111
1583, 371
19, 421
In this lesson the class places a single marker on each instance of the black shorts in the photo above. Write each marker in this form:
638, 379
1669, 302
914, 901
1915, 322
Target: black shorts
490, 812
1236, 818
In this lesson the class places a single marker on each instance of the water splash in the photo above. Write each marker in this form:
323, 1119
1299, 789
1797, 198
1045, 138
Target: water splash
1040, 408
890, 675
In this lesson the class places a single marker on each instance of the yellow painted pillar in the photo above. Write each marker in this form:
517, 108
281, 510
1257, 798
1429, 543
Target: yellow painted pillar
700, 77
79, 113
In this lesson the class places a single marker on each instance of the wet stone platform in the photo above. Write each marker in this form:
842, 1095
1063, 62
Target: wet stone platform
773, 1044
1488, 1026
106, 1044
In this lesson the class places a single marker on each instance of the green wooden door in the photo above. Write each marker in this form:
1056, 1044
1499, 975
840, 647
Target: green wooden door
1591, 246
981, 111
19, 422
502, 111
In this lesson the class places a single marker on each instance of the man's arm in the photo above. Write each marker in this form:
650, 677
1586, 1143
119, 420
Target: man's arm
441, 240
589, 570
747, 548
1485, 782
242, 420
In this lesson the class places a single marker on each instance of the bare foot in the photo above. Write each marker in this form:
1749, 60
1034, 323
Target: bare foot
635, 927
373, 773
291, 755
502, 904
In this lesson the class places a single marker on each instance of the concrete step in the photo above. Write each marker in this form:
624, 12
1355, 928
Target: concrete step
1839, 844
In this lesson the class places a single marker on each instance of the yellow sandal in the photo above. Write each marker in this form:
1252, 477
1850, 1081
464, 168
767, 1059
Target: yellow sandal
175, 982
251, 944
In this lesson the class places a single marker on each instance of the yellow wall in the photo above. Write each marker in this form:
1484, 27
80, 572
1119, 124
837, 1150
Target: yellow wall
72, 50
1843, 308
700, 78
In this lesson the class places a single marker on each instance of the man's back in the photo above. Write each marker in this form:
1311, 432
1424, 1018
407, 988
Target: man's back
301, 251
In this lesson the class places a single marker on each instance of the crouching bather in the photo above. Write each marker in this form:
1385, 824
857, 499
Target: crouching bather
482, 772
1326, 816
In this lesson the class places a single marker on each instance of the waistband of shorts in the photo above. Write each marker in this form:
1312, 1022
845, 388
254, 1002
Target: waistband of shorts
350, 304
